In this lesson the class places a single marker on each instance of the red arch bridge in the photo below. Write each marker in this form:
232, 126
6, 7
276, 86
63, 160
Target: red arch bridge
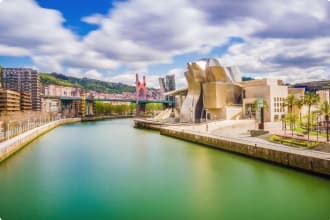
68, 102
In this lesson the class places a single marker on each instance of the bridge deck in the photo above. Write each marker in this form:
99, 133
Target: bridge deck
113, 100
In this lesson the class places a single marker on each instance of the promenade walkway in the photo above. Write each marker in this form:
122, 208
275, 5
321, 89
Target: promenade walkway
240, 135
13, 144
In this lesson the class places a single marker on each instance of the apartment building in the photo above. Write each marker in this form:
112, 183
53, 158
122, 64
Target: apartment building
25, 102
61, 91
50, 105
9, 101
23, 80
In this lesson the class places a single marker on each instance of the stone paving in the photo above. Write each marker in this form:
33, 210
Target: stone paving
238, 132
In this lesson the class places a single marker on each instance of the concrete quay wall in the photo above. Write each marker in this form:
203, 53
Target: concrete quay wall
105, 117
147, 124
9, 147
303, 162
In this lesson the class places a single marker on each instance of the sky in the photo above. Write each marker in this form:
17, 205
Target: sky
113, 40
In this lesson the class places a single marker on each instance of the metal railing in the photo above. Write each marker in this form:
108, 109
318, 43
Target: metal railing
12, 128
13, 143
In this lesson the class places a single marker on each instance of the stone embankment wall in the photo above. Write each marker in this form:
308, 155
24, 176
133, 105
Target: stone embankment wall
104, 117
9, 147
147, 124
303, 162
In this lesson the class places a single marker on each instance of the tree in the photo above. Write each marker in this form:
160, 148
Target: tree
290, 102
299, 104
310, 99
325, 111
131, 108
151, 107
314, 120
292, 118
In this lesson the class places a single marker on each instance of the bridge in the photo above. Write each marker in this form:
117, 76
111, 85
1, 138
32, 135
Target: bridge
85, 105
65, 98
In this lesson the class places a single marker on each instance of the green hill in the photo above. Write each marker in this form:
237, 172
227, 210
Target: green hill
85, 83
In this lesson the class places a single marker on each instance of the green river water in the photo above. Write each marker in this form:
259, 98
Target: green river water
109, 170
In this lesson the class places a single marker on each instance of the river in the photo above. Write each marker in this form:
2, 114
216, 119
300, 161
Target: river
109, 170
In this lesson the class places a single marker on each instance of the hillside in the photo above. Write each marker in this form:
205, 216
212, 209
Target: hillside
85, 83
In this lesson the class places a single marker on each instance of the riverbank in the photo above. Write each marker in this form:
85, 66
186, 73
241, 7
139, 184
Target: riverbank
11, 146
105, 117
303, 159
147, 124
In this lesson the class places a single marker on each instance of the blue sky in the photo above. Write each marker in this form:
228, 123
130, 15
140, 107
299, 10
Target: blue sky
112, 40
73, 15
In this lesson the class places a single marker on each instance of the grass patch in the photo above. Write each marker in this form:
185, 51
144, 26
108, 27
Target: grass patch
303, 131
293, 142
300, 130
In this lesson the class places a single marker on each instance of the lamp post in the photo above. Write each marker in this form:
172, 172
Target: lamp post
260, 107
317, 128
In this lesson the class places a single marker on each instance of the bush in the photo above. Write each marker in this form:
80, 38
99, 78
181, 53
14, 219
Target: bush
293, 142
104, 108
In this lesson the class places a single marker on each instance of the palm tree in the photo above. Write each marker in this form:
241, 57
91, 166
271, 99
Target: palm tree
325, 110
292, 118
310, 99
315, 121
290, 102
299, 104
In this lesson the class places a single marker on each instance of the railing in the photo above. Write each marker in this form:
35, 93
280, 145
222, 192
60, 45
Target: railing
69, 98
12, 128
11, 145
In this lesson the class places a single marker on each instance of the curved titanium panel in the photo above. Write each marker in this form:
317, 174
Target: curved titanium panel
192, 105
206, 72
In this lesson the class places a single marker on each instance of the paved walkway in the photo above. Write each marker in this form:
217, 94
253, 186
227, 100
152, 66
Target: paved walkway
22, 137
240, 135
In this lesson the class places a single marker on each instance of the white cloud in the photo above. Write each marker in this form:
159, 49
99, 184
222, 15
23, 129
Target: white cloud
126, 78
6, 50
281, 37
39, 32
129, 79
80, 73
291, 60
296, 75
148, 32
93, 19
75, 72
94, 74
